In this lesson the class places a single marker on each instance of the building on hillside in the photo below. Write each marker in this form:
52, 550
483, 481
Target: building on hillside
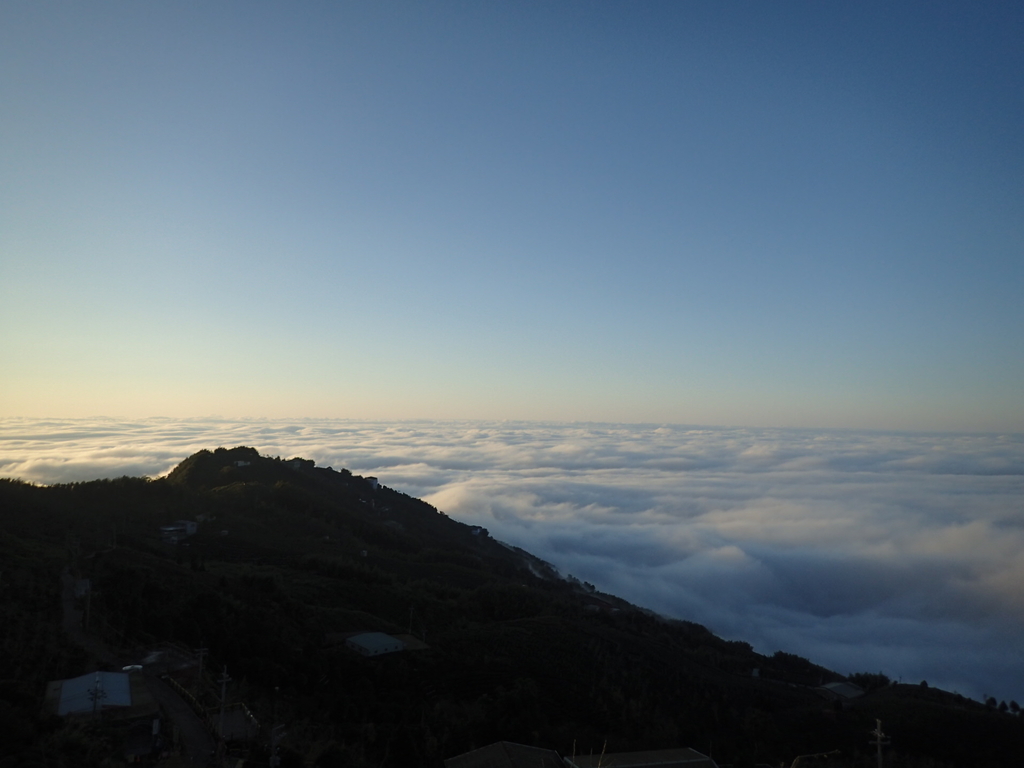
374, 644
594, 604
108, 694
372, 482
839, 694
178, 530
682, 757
93, 693
506, 754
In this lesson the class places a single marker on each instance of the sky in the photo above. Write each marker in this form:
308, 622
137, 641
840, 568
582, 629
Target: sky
798, 215
864, 551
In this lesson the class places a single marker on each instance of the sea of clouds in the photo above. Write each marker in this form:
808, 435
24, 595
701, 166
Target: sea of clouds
863, 551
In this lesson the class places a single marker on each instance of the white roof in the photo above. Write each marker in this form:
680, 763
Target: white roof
112, 689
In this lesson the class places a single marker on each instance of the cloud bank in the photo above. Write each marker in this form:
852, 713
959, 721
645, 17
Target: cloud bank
862, 551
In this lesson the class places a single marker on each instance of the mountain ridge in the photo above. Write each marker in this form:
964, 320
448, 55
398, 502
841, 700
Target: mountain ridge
288, 557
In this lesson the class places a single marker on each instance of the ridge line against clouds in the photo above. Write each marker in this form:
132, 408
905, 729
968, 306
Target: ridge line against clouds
860, 550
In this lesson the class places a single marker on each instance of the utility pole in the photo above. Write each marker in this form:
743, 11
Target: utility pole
97, 694
880, 739
202, 653
275, 761
88, 606
224, 680
275, 738
74, 553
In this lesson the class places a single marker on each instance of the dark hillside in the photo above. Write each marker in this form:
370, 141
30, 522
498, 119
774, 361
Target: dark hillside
287, 560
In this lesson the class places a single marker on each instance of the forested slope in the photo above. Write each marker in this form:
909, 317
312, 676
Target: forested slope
289, 559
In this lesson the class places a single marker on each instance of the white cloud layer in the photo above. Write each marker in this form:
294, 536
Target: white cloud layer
862, 551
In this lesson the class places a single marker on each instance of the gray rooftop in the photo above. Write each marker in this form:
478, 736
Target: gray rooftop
110, 689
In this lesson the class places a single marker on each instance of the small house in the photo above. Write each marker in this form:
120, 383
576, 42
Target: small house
839, 692
374, 644
94, 692
178, 530
506, 754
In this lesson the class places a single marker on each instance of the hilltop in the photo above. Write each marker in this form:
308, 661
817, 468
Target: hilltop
273, 564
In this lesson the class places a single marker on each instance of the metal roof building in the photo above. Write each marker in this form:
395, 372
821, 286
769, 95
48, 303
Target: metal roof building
94, 692
506, 754
374, 643
840, 691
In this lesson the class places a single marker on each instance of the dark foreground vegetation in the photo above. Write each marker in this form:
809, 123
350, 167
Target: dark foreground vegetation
288, 560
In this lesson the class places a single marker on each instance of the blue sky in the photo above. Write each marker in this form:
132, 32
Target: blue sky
786, 214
